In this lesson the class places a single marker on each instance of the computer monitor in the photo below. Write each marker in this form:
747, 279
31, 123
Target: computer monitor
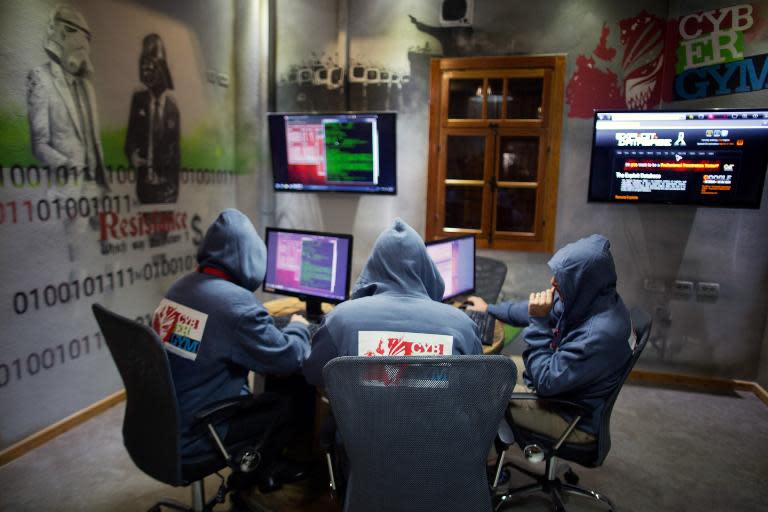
310, 265
455, 260
339, 152
704, 157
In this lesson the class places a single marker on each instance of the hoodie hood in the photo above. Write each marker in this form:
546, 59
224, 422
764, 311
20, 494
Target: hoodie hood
231, 244
399, 264
586, 276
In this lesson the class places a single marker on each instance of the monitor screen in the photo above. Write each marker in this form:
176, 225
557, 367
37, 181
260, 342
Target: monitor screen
455, 260
334, 152
307, 264
698, 157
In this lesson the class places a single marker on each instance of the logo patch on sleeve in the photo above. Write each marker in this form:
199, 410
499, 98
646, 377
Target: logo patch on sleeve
181, 328
387, 343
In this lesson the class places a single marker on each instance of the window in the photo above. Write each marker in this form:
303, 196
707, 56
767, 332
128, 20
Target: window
494, 144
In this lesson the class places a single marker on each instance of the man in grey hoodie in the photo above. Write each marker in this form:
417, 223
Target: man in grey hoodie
395, 309
215, 331
578, 337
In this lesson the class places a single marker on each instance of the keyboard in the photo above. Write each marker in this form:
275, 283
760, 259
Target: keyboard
281, 322
485, 323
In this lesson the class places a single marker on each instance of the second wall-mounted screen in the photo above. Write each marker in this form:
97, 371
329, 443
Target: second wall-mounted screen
342, 152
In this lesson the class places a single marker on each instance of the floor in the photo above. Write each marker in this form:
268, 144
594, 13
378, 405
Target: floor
673, 450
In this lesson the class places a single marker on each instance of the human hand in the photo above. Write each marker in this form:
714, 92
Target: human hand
540, 303
299, 318
477, 304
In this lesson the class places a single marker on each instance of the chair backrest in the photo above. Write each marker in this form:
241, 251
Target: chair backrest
151, 422
417, 430
641, 325
489, 278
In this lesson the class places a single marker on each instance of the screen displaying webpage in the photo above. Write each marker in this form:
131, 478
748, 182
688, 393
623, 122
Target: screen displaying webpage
708, 158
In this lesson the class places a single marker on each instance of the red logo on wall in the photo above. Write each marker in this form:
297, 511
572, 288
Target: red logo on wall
628, 77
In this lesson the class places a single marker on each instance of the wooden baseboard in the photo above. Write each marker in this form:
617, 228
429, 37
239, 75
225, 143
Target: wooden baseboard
712, 384
43, 436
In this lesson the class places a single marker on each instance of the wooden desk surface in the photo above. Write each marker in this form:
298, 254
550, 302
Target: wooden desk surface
290, 305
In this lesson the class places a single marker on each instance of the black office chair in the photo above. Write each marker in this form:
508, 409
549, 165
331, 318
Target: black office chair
417, 430
535, 445
151, 422
489, 278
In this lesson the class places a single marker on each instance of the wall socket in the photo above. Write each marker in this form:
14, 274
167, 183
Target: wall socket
682, 289
707, 291
654, 285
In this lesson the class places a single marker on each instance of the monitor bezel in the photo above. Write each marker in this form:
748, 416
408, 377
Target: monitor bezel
345, 113
306, 296
474, 262
595, 113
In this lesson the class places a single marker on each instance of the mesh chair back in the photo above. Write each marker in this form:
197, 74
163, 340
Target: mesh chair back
417, 430
151, 422
641, 324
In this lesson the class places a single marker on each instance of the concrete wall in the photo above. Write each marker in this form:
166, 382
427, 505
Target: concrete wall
59, 249
661, 243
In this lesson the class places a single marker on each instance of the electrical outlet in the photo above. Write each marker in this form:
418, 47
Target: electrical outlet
707, 291
654, 285
682, 289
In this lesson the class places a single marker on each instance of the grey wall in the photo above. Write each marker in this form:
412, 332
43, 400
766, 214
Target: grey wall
660, 243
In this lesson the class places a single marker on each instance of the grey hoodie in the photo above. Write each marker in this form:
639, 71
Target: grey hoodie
581, 349
395, 309
215, 329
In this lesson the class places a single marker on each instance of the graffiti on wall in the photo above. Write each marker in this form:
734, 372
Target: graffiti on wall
104, 192
695, 56
63, 117
710, 54
629, 76
154, 129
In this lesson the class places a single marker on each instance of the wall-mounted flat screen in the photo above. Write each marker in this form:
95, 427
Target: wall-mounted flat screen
697, 157
342, 152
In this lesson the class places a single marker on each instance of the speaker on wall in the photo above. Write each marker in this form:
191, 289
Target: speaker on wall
457, 13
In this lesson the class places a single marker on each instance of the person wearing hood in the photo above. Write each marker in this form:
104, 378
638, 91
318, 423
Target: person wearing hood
215, 330
578, 335
395, 309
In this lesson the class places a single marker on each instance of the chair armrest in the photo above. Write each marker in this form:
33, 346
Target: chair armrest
559, 404
504, 436
221, 410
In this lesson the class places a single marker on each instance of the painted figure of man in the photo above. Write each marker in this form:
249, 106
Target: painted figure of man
63, 120
154, 134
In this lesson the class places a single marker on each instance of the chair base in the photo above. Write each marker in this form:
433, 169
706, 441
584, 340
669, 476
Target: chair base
551, 486
198, 499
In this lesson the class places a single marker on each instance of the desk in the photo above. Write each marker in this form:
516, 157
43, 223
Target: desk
291, 305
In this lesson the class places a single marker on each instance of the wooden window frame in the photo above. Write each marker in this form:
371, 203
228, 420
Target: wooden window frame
548, 128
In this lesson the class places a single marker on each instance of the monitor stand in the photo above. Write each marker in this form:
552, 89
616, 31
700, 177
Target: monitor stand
314, 310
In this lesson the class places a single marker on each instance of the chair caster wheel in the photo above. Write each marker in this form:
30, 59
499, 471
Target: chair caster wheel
571, 477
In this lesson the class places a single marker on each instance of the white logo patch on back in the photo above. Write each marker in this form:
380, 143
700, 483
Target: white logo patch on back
391, 343
180, 328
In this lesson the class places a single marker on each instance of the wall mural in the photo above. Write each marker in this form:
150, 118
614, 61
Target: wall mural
63, 117
694, 56
320, 82
710, 47
98, 207
154, 130
631, 79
